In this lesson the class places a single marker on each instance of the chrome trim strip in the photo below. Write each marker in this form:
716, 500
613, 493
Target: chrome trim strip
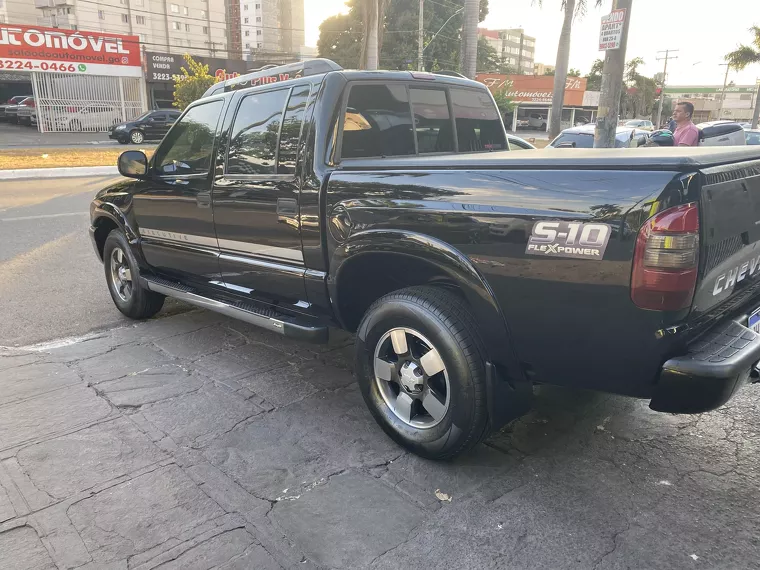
261, 249
269, 264
233, 287
226, 245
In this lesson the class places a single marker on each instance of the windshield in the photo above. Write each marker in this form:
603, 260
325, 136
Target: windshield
576, 140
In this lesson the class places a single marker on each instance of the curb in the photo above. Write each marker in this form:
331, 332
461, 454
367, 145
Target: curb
67, 172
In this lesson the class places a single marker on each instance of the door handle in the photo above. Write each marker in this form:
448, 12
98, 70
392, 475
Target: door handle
724, 139
203, 199
287, 207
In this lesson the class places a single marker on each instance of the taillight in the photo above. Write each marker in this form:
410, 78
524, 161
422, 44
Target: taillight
666, 260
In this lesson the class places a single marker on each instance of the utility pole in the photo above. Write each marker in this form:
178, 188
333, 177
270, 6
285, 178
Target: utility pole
420, 47
612, 84
664, 80
756, 112
723, 94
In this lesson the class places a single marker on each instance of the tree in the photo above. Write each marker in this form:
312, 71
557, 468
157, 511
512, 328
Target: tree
746, 55
503, 102
470, 38
373, 14
549, 72
488, 58
594, 77
191, 85
341, 37
574, 72
573, 9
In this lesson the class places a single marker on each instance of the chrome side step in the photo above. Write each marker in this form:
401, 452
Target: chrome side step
261, 317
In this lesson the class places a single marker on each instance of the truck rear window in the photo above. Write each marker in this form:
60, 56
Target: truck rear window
379, 121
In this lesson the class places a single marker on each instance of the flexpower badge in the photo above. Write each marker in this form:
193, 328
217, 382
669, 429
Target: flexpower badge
569, 239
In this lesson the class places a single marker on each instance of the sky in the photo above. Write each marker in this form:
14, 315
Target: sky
703, 31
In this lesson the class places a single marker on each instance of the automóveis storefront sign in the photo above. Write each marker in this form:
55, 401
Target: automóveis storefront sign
53, 50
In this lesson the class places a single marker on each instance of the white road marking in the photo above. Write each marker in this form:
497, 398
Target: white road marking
50, 345
42, 216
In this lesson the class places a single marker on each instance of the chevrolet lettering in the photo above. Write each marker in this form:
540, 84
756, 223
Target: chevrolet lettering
305, 198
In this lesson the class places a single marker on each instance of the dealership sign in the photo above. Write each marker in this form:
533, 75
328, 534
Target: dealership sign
53, 50
611, 32
162, 67
533, 88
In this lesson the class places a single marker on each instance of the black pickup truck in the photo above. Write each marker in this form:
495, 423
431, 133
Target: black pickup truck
389, 204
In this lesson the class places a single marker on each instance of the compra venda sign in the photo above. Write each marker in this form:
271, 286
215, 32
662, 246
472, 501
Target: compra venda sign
52, 50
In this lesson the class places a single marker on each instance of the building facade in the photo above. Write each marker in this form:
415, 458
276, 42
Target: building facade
542, 69
738, 105
198, 27
513, 47
272, 30
18, 12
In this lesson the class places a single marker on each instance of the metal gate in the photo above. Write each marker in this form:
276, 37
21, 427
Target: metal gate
85, 103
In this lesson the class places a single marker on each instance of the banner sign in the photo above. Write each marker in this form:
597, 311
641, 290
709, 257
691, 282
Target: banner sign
611, 32
161, 67
54, 50
533, 88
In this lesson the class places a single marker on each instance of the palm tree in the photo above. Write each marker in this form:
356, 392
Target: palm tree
746, 55
572, 9
373, 14
470, 37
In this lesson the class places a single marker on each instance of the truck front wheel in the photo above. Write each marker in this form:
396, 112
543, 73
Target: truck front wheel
421, 369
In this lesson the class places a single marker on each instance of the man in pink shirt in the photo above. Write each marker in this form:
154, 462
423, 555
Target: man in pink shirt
687, 133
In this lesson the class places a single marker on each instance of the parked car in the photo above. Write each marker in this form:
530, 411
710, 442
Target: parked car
26, 110
289, 206
583, 137
516, 143
721, 133
640, 124
11, 111
752, 136
12, 102
152, 125
93, 117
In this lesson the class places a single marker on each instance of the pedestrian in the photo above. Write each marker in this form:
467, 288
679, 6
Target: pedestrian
686, 133
671, 126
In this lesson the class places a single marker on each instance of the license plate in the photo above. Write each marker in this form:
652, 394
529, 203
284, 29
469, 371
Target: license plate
754, 321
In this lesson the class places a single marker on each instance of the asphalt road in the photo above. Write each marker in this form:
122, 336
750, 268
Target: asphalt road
51, 283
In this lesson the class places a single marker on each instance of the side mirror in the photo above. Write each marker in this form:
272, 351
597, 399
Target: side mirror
133, 164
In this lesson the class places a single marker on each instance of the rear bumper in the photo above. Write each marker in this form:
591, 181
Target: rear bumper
712, 371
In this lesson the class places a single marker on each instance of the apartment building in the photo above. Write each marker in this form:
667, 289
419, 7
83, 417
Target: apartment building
513, 46
198, 27
272, 30
542, 69
13, 11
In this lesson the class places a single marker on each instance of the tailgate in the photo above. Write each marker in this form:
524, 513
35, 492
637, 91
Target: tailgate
729, 273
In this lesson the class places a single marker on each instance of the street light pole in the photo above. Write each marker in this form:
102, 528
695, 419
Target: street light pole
420, 47
723, 95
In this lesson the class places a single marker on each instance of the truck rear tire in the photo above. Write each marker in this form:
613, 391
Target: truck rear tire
420, 365
122, 276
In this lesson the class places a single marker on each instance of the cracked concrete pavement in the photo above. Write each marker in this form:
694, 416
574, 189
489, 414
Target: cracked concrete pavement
194, 441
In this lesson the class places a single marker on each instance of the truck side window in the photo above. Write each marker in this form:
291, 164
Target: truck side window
291, 130
253, 143
378, 122
477, 120
187, 148
432, 122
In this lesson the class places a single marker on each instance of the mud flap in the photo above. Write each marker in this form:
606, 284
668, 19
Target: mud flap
506, 400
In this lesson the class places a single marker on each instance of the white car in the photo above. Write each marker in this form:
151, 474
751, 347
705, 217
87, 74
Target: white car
640, 124
95, 117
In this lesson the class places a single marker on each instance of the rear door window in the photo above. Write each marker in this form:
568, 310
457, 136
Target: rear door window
478, 124
575, 140
253, 142
378, 122
432, 121
291, 130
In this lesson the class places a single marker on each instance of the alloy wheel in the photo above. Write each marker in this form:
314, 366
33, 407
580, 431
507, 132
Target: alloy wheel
412, 378
137, 137
121, 275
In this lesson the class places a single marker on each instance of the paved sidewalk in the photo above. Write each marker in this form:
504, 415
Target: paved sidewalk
194, 441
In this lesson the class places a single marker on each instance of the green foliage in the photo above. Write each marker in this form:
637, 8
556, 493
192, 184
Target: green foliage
192, 84
639, 92
573, 72
340, 37
549, 72
488, 58
594, 78
746, 55
503, 102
